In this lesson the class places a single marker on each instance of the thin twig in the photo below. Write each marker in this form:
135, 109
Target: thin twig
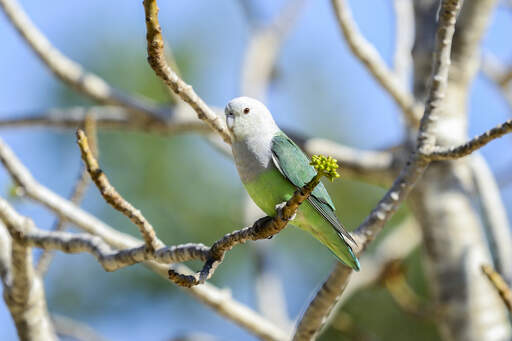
108, 117
393, 278
79, 331
449, 153
370, 57
76, 195
494, 215
158, 63
500, 285
263, 50
112, 197
397, 244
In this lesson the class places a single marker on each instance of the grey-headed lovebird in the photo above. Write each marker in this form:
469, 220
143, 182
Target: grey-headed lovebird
271, 167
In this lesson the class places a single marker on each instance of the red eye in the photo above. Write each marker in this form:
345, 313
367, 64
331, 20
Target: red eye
247, 110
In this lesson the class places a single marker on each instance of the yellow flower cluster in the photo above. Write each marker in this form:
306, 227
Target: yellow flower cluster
325, 166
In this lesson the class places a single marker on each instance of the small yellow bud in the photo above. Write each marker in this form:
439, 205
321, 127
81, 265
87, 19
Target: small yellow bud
325, 166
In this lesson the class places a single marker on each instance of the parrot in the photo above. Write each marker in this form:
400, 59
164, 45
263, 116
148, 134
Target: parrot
271, 167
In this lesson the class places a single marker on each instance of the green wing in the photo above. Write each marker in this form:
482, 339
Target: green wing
294, 165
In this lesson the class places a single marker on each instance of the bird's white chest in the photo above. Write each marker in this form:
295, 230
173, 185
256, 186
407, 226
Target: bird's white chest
252, 157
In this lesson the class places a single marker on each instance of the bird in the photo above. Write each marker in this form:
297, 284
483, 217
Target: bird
271, 167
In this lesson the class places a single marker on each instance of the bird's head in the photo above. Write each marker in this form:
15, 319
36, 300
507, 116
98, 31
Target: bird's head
246, 117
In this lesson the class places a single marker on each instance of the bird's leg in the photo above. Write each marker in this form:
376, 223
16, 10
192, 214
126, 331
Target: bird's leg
258, 224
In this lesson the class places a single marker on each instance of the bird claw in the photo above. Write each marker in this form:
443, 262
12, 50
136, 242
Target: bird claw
279, 210
262, 221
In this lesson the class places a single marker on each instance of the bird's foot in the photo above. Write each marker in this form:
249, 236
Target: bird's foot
262, 222
279, 210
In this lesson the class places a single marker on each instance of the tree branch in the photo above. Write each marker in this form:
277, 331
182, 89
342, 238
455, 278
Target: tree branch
450, 153
500, 285
5, 256
325, 299
109, 117
24, 295
111, 196
76, 197
24, 231
71, 72
158, 63
494, 216
263, 50
397, 244
377, 166
79, 331
369, 56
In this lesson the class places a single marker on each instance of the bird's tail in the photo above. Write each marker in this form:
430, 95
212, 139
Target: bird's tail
343, 251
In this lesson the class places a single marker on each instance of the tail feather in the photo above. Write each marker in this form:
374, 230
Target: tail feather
345, 254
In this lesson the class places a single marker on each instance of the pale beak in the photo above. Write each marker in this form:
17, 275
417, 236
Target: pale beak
230, 120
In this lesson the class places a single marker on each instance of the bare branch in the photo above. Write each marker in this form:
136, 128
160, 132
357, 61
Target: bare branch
500, 285
71, 72
65, 326
397, 244
158, 63
372, 165
219, 300
333, 287
25, 232
109, 117
450, 153
263, 50
5, 256
369, 56
76, 196
109, 193
494, 216
24, 295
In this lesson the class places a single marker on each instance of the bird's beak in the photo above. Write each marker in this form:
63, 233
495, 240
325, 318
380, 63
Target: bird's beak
230, 120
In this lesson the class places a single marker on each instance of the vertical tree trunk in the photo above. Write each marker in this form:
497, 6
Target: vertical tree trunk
455, 243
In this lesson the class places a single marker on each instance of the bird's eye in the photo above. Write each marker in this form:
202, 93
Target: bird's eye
247, 110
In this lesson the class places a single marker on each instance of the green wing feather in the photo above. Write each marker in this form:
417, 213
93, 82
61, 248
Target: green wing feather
294, 165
